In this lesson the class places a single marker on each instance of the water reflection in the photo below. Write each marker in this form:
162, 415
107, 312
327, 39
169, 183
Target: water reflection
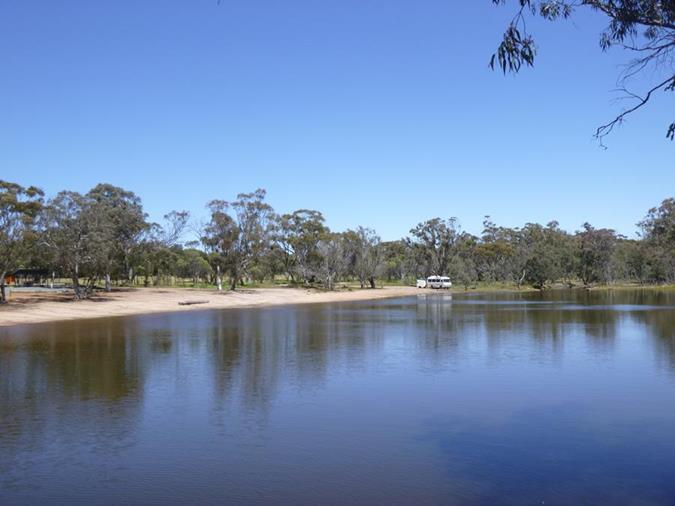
123, 404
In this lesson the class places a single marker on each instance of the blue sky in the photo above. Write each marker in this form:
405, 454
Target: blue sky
376, 112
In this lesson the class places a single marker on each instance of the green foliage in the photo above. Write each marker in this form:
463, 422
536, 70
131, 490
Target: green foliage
297, 236
19, 207
193, 264
104, 235
644, 28
240, 232
596, 247
432, 243
658, 231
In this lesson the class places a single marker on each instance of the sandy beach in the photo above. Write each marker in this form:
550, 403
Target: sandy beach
35, 307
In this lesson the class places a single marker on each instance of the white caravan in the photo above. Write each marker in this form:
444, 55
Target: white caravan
434, 282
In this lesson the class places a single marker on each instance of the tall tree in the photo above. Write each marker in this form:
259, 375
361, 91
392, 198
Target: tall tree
239, 232
495, 254
158, 246
78, 239
333, 260
596, 247
367, 255
125, 221
395, 258
193, 264
462, 267
297, 236
540, 266
18, 208
658, 232
432, 242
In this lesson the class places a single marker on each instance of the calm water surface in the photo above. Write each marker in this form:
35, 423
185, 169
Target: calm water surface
564, 398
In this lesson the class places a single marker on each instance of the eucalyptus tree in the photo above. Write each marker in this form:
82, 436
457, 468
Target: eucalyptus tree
658, 233
77, 237
175, 224
19, 207
367, 256
158, 247
334, 260
595, 250
541, 260
122, 213
563, 245
432, 243
395, 259
645, 29
495, 253
463, 271
297, 236
219, 237
239, 232
193, 264
629, 261
463, 267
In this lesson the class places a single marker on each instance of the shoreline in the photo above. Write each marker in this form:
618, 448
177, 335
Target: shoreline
27, 308
33, 307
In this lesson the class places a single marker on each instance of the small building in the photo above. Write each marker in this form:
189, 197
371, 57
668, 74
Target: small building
26, 277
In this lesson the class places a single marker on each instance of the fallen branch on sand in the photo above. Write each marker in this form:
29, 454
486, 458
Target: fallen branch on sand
192, 302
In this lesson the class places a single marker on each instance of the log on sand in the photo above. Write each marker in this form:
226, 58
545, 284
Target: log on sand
192, 302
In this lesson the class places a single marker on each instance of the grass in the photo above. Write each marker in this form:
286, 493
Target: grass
633, 286
281, 282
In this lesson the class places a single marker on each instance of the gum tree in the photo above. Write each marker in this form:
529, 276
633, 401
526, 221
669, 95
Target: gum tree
367, 256
122, 214
644, 29
297, 236
432, 244
658, 232
334, 260
239, 232
78, 238
595, 250
19, 207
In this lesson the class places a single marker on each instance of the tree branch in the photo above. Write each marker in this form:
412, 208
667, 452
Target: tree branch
607, 128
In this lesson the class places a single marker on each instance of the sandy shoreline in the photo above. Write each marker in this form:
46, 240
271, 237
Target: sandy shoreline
25, 308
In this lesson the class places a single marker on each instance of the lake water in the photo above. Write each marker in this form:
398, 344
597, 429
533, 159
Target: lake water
560, 398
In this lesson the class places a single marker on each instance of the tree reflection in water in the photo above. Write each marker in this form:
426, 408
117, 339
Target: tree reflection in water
96, 401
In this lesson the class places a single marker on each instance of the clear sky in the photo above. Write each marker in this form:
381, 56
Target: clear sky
376, 112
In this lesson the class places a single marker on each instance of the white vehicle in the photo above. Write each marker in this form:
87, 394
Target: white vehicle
421, 283
438, 282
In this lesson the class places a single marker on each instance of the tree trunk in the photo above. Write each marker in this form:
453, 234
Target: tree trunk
76, 288
372, 282
76, 282
108, 284
219, 279
51, 284
522, 278
3, 297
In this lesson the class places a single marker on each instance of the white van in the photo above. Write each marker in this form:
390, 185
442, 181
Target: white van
435, 282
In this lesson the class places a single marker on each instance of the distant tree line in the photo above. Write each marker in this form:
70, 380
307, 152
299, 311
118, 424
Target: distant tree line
104, 237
